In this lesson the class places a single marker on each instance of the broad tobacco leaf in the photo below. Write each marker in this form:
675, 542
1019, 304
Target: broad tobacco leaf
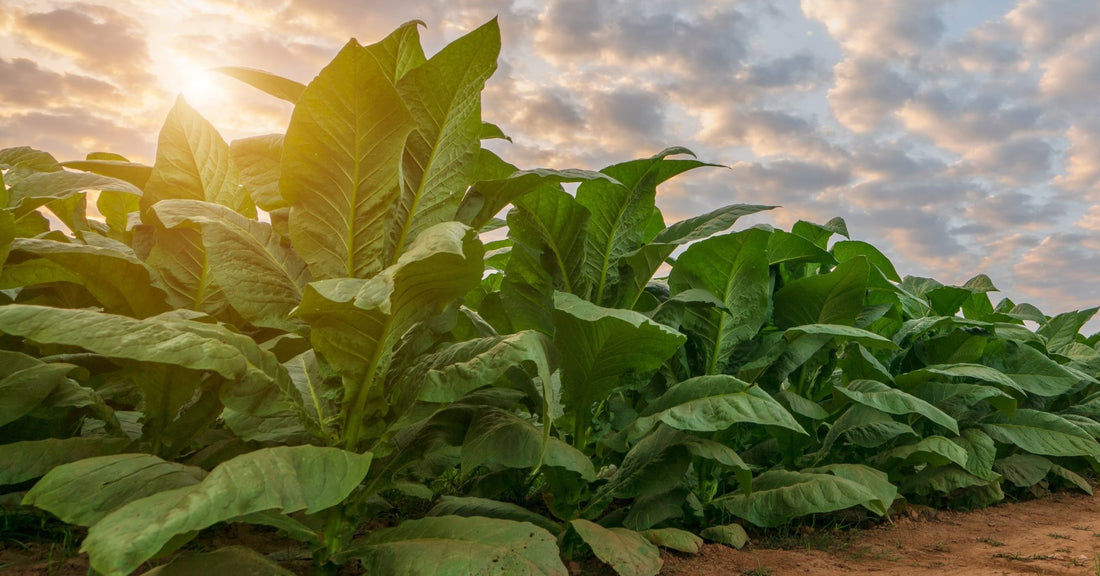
598, 346
710, 404
456, 546
287, 479
261, 278
620, 208
85, 491
627, 552
193, 162
122, 283
833, 298
734, 269
443, 96
779, 496
341, 166
356, 324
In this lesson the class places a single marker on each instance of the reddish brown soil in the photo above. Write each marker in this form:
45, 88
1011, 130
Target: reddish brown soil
1056, 535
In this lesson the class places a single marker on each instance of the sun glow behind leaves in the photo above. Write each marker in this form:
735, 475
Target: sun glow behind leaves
201, 88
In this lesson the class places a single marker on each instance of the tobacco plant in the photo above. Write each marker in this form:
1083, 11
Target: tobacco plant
299, 329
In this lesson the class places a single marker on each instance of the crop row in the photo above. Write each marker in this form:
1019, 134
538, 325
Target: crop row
303, 330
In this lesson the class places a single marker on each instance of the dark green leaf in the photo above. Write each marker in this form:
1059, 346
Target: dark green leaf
229, 561
833, 298
83, 492
457, 546
288, 479
627, 552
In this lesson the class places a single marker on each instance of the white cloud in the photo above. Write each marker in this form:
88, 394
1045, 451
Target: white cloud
867, 93
882, 29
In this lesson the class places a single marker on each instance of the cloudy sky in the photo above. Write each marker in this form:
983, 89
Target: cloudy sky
960, 136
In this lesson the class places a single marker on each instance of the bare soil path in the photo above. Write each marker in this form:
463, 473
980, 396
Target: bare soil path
1056, 535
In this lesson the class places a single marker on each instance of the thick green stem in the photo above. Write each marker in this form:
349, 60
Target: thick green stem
332, 543
580, 431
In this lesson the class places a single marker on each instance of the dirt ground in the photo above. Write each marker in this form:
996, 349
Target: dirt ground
1055, 535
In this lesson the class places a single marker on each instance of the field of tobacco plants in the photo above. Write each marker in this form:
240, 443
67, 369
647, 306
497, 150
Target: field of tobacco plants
313, 331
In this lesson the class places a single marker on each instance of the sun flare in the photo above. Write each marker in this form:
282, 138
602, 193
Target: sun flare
200, 87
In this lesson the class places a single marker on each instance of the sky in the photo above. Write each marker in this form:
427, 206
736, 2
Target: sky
958, 136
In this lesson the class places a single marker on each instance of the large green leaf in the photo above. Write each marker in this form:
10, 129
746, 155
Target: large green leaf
83, 492
833, 298
706, 225
180, 259
259, 276
1062, 330
22, 461
31, 189
848, 249
1041, 433
732, 535
874, 481
553, 225
132, 172
949, 479
498, 437
653, 509
734, 268
676, 539
893, 401
118, 280
840, 333
820, 233
444, 98
287, 479
779, 496
319, 389
228, 561
487, 198
980, 453
7, 232
934, 450
341, 166
959, 370
658, 462
598, 346
259, 160
1023, 470
637, 267
28, 157
1032, 370
457, 546
712, 403
627, 552
450, 373
619, 212
193, 162
355, 324
865, 427
121, 337
277, 86
25, 389
400, 52
785, 247
958, 399
468, 506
